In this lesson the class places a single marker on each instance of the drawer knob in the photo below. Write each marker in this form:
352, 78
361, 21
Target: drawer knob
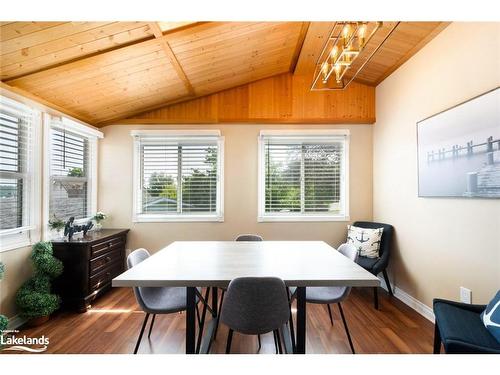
107, 259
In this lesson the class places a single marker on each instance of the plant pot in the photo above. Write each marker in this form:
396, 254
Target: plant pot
97, 227
38, 321
57, 234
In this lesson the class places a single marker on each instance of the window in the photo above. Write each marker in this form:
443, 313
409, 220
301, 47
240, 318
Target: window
71, 173
178, 176
18, 178
303, 175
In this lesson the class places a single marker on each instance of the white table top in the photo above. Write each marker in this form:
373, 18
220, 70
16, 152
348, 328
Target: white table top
216, 263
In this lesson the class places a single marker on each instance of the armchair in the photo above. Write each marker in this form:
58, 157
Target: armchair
460, 329
377, 265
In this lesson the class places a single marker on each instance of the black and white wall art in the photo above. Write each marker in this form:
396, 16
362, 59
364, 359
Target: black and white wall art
459, 150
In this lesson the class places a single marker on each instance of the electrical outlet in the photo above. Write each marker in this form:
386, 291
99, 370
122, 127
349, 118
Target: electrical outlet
465, 295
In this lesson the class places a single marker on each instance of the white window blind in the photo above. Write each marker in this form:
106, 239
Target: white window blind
303, 176
16, 122
69, 173
179, 177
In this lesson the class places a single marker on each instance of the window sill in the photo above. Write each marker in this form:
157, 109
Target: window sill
305, 218
14, 241
177, 218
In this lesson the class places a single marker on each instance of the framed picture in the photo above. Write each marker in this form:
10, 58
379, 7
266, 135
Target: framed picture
459, 150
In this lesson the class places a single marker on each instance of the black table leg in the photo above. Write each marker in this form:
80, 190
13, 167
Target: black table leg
190, 320
215, 302
301, 320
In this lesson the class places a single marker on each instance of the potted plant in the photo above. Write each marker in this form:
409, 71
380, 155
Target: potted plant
34, 299
56, 225
98, 218
3, 319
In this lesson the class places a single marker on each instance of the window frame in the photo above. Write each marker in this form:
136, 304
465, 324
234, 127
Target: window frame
82, 130
29, 232
137, 191
302, 135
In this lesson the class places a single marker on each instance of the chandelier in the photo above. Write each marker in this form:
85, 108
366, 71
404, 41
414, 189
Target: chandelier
347, 51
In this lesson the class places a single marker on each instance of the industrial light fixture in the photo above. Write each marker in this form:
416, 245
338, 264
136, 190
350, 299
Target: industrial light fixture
350, 46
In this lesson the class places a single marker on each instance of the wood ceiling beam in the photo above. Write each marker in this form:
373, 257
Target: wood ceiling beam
83, 57
300, 44
155, 28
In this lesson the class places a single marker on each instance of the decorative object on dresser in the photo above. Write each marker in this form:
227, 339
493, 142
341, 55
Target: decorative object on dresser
70, 228
90, 263
98, 217
56, 225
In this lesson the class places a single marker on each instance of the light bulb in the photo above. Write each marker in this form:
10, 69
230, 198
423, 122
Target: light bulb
333, 54
345, 33
337, 68
324, 70
361, 34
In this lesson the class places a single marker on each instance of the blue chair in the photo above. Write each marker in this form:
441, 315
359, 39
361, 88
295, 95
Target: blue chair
378, 265
460, 329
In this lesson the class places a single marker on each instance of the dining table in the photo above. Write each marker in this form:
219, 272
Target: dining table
213, 264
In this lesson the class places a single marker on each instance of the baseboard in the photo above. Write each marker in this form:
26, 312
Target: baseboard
410, 301
15, 322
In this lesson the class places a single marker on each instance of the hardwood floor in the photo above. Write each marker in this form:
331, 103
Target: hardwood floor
113, 323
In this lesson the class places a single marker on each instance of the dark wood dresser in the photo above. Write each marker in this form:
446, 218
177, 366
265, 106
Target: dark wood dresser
90, 263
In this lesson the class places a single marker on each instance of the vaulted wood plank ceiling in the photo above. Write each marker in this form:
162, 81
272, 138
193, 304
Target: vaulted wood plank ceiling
105, 71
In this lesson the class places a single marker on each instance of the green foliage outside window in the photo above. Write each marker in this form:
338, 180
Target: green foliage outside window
76, 172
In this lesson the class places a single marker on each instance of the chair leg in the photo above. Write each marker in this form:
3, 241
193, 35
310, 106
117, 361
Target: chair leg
346, 329
330, 313
151, 325
229, 339
387, 282
437, 339
278, 341
292, 331
219, 311
275, 342
258, 338
375, 297
142, 332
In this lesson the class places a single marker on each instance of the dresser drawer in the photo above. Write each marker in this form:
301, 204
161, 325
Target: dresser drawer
105, 276
103, 247
100, 263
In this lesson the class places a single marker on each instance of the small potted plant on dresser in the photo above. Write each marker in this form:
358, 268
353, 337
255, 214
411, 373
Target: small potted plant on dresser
99, 217
56, 225
34, 299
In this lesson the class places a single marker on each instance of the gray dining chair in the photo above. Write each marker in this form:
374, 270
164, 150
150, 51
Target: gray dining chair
240, 237
249, 237
334, 294
254, 306
158, 300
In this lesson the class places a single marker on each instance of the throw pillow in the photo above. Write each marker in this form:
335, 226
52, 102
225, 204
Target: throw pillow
491, 316
366, 241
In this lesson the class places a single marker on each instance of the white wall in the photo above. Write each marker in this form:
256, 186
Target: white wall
441, 244
240, 190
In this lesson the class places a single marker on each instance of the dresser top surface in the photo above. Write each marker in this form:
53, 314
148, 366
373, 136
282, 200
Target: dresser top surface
92, 236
